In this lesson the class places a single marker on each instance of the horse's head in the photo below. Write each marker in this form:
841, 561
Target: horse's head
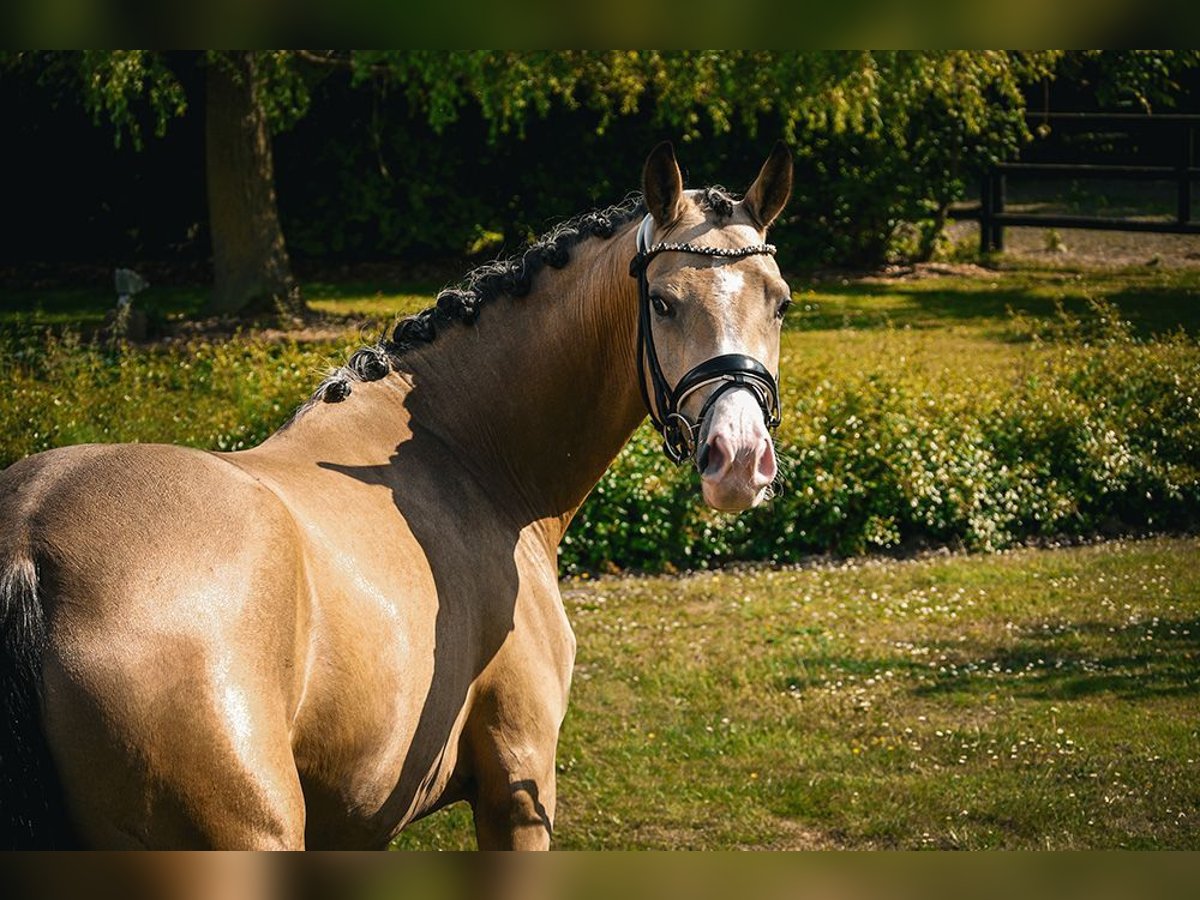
712, 303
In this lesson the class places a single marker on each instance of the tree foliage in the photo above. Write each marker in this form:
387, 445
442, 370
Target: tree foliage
882, 138
693, 92
690, 92
885, 136
130, 89
1145, 80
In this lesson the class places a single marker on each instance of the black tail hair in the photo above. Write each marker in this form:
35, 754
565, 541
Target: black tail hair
32, 813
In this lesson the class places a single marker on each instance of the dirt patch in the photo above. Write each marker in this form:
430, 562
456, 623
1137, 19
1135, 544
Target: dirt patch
790, 835
781, 834
1084, 247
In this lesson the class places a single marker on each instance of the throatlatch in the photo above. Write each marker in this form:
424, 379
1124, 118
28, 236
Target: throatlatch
734, 369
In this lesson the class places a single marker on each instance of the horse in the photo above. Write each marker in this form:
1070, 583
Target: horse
319, 640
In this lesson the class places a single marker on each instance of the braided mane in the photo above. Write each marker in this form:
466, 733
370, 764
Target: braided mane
463, 302
512, 277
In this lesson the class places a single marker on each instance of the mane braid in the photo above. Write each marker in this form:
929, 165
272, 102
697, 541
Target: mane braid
512, 277
716, 200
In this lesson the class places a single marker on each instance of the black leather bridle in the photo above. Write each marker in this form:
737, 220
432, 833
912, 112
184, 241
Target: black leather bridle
733, 369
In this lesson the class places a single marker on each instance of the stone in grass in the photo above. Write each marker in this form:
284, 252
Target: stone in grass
1053, 242
124, 322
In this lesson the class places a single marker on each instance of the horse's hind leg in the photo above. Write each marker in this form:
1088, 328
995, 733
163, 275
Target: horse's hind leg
177, 769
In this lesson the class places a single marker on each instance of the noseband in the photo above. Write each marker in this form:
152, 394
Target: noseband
731, 370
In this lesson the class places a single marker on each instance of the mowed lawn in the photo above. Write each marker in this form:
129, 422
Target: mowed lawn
1037, 699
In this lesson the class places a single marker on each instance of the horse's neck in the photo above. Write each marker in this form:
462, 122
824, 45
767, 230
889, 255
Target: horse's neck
541, 394
534, 400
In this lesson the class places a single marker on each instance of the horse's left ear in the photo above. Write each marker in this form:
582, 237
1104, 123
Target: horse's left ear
769, 194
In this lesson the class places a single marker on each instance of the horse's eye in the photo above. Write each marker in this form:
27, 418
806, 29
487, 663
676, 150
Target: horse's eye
783, 307
661, 306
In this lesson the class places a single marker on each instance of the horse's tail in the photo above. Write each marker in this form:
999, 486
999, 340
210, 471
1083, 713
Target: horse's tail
32, 814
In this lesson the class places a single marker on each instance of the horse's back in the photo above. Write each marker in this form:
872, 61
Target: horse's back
171, 586
139, 533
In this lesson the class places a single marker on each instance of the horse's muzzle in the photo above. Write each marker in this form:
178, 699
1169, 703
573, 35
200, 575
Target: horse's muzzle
735, 454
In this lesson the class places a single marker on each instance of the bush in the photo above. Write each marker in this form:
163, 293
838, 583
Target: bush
220, 395
1096, 431
1100, 432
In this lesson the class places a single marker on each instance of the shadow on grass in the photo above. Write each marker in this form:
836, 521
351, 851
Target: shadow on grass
820, 670
1152, 308
85, 307
1072, 662
1084, 659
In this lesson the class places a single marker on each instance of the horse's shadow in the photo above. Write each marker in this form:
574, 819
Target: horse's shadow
470, 553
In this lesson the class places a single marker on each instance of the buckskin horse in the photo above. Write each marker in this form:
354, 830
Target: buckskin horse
321, 639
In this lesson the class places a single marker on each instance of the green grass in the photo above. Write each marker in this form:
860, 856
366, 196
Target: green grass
84, 308
1037, 699
1155, 300
980, 307
358, 299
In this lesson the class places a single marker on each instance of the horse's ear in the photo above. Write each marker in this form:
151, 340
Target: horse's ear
662, 185
769, 194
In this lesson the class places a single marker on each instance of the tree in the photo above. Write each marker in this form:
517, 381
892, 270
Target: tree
887, 136
246, 96
881, 137
251, 270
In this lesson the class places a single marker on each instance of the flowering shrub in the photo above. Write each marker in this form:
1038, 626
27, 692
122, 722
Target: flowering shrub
217, 394
1097, 432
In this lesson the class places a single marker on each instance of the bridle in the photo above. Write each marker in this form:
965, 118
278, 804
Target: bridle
733, 369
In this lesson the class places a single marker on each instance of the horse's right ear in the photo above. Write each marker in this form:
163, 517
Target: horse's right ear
662, 185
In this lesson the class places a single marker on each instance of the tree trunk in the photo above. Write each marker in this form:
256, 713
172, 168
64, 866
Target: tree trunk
251, 270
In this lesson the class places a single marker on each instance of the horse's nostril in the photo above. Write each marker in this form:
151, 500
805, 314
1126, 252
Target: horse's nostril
765, 467
715, 457
702, 459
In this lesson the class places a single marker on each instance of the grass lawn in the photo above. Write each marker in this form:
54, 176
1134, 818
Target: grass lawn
1037, 699
977, 324
964, 324
979, 304
84, 308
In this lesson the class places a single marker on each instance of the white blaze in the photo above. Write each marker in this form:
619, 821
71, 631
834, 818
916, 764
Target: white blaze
729, 284
727, 287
